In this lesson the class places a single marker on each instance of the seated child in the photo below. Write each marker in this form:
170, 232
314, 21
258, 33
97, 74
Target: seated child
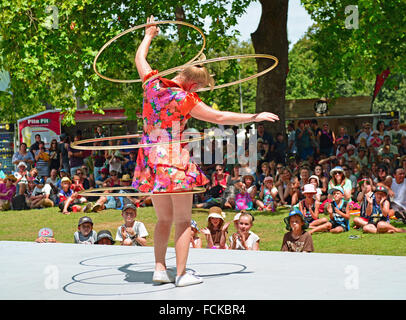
339, 213
104, 237
45, 235
244, 238
268, 195
378, 213
195, 241
297, 239
309, 207
85, 233
366, 191
132, 232
214, 232
68, 199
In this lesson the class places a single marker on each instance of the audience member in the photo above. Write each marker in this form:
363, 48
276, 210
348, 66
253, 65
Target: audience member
7, 192
297, 239
132, 232
215, 236
46, 235
22, 155
244, 238
195, 241
85, 233
104, 237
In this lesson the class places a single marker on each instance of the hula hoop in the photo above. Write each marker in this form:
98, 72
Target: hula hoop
139, 27
79, 144
90, 193
244, 56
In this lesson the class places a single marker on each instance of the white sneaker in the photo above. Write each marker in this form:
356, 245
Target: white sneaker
187, 279
164, 276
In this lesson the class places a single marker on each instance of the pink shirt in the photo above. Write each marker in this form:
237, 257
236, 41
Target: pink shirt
3, 189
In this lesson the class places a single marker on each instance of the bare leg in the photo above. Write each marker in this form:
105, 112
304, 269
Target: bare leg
164, 212
369, 228
359, 222
182, 214
384, 227
317, 222
321, 228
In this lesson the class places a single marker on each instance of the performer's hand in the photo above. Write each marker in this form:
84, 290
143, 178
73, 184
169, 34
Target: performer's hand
266, 116
153, 30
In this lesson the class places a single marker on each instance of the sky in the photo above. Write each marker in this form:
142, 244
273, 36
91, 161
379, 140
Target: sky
298, 21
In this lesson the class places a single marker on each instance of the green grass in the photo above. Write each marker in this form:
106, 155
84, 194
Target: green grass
24, 226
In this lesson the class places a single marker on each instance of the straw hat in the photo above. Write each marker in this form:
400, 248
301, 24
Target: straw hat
126, 177
216, 212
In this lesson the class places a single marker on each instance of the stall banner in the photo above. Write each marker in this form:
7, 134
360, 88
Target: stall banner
47, 124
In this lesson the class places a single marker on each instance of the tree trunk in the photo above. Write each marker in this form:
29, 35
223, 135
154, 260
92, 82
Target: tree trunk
271, 38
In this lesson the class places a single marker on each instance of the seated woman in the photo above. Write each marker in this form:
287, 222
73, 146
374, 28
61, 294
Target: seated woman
338, 179
7, 192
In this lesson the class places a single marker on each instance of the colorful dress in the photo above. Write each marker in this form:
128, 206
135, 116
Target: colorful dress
166, 168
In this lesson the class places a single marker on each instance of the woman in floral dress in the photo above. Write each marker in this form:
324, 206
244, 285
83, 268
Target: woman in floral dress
167, 106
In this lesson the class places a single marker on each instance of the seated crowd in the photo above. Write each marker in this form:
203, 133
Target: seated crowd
326, 176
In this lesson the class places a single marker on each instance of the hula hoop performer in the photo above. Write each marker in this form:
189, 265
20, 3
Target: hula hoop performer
166, 102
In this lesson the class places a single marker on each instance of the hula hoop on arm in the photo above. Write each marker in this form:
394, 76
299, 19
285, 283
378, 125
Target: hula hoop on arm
139, 27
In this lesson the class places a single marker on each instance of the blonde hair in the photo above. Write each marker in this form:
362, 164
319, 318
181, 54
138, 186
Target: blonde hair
198, 74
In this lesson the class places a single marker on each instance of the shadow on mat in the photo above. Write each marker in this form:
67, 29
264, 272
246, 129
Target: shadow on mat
136, 276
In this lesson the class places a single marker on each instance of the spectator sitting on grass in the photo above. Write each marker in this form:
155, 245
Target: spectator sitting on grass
21, 175
338, 179
101, 179
378, 213
366, 191
195, 241
267, 195
7, 192
85, 233
104, 237
69, 200
339, 213
399, 200
244, 238
40, 197
132, 232
297, 239
309, 207
46, 235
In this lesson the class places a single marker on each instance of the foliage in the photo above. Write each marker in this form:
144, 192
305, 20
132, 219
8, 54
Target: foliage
357, 54
53, 66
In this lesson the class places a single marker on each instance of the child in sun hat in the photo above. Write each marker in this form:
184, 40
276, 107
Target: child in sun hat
268, 195
309, 207
214, 232
297, 239
378, 213
339, 211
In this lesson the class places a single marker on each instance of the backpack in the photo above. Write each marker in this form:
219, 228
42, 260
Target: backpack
18, 203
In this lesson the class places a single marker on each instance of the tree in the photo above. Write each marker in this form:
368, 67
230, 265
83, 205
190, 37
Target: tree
356, 42
53, 66
271, 38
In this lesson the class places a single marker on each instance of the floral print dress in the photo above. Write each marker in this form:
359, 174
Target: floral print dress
166, 168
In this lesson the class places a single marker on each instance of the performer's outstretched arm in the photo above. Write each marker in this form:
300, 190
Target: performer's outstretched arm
141, 62
203, 112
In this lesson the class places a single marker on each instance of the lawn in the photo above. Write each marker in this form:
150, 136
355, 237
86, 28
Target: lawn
24, 226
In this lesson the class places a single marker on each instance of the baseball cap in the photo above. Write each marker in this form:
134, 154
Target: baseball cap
39, 180
129, 206
336, 188
381, 189
84, 220
104, 234
46, 232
